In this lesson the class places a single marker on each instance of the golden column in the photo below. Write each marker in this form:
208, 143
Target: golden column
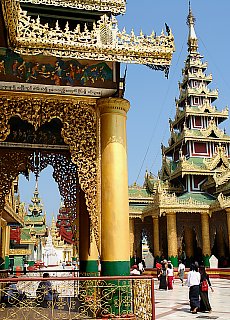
220, 243
131, 239
1, 235
3, 238
156, 243
115, 248
188, 239
7, 249
205, 238
5, 243
172, 238
87, 243
228, 225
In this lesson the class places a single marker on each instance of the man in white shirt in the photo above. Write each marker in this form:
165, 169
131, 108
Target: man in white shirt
181, 271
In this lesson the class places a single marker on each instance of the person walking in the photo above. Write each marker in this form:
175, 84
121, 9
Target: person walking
170, 276
193, 283
181, 271
163, 278
204, 284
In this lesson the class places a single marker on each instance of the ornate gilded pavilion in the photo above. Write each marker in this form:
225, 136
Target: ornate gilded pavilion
189, 213
12, 214
61, 104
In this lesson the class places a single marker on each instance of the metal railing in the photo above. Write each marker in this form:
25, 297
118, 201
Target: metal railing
68, 298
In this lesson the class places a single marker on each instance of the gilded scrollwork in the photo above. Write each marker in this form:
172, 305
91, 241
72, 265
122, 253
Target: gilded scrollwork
212, 127
220, 155
79, 131
224, 201
115, 6
12, 163
104, 42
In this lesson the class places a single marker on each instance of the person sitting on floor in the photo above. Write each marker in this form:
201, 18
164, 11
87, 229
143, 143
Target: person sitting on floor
134, 271
45, 293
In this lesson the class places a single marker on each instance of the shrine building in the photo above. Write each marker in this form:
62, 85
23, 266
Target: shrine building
62, 105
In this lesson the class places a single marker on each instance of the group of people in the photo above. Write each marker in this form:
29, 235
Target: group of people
198, 282
165, 275
138, 269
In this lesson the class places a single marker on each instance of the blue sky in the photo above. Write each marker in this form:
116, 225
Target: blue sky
151, 95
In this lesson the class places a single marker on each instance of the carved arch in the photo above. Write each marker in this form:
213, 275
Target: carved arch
79, 131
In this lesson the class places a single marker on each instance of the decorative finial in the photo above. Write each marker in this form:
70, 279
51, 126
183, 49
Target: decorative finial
192, 38
36, 183
190, 19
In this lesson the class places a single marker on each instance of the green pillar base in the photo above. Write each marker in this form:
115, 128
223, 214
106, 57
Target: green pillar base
174, 260
89, 267
115, 268
7, 262
119, 301
206, 260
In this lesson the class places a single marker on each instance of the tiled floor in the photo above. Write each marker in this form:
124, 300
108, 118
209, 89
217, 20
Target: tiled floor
174, 304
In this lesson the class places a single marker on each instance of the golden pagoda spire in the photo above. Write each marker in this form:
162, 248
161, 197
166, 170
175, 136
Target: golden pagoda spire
53, 227
192, 38
36, 207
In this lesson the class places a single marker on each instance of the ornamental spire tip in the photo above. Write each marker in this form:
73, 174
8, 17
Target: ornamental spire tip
192, 38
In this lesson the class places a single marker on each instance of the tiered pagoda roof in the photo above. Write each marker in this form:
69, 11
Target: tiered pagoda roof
140, 197
63, 225
196, 162
196, 140
35, 221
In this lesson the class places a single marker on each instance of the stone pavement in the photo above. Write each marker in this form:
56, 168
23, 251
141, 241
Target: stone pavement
174, 304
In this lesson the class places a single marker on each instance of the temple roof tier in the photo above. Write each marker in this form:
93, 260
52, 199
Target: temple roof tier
193, 167
113, 6
204, 110
103, 41
35, 220
195, 62
201, 91
136, 191
211, 133
136, 211
218, 166
195, 202
178, 143
199, 75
